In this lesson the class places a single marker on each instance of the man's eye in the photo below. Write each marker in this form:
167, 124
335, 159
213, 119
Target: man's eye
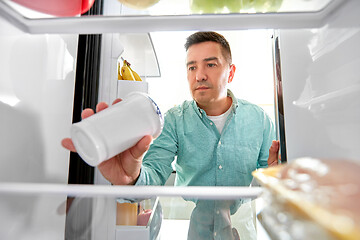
191, 68
211, 64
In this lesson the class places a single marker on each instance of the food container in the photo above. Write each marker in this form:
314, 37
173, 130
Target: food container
315, 198
117, 128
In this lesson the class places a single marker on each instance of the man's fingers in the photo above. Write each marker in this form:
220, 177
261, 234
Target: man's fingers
273, 153
141, 147
116, 101
86, 113
274, 163
275, 145
68, 144
101, 106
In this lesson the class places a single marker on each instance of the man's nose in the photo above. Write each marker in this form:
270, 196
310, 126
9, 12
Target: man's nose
201, 75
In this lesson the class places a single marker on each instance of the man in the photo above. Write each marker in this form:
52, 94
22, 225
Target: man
218, 140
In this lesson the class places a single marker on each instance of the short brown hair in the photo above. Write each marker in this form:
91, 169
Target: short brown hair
200, 37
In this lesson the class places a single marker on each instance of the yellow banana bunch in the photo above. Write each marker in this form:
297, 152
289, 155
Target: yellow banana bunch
127, 73
119, 73
137, 77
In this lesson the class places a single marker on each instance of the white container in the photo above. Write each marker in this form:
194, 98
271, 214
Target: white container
117, 128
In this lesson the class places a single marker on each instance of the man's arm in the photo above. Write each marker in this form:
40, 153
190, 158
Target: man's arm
270, 147
156, 167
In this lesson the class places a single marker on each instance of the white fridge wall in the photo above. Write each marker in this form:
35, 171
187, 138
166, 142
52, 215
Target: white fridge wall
321, 85
37, 75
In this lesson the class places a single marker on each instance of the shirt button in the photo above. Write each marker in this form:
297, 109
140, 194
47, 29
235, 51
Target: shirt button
215, 234
220, 167
219, 142
217, 212
211, 123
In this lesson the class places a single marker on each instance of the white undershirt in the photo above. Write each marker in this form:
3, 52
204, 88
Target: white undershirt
220, 120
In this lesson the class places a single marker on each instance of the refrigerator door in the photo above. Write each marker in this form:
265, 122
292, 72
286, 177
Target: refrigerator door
36, 98
321, 87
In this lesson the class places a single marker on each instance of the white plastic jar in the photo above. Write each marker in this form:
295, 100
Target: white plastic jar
116, 128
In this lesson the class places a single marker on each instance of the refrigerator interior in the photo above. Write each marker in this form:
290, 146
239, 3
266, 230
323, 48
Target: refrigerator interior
319, 82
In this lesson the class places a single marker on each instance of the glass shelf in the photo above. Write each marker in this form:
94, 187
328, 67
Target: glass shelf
118, 212
129, 191
192, 7
172, 15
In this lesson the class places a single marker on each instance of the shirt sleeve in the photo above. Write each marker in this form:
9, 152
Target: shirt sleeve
268, 137
156, 167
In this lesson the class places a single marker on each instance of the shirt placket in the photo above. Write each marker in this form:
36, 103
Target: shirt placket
219, 163
222, 222
219, 158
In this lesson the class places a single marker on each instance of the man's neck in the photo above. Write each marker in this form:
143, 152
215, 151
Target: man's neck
217, 108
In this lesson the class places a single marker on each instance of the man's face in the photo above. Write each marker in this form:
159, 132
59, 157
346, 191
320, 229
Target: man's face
208, 73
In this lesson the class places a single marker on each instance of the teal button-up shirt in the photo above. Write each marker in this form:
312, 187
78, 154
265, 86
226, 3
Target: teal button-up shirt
204, 157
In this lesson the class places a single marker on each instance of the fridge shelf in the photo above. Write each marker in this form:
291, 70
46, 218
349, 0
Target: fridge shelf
147, 23
75, 190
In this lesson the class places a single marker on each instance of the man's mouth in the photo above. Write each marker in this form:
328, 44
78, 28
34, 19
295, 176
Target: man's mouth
202, 88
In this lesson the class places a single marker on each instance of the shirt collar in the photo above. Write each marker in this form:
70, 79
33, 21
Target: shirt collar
234, 105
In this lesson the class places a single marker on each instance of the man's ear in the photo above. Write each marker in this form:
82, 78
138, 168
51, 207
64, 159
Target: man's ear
232, 73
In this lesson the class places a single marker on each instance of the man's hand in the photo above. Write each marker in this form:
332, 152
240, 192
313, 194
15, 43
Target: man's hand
124, 168
274, 153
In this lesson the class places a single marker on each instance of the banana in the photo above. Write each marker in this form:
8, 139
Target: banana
119, 74
126, 72
137, 77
